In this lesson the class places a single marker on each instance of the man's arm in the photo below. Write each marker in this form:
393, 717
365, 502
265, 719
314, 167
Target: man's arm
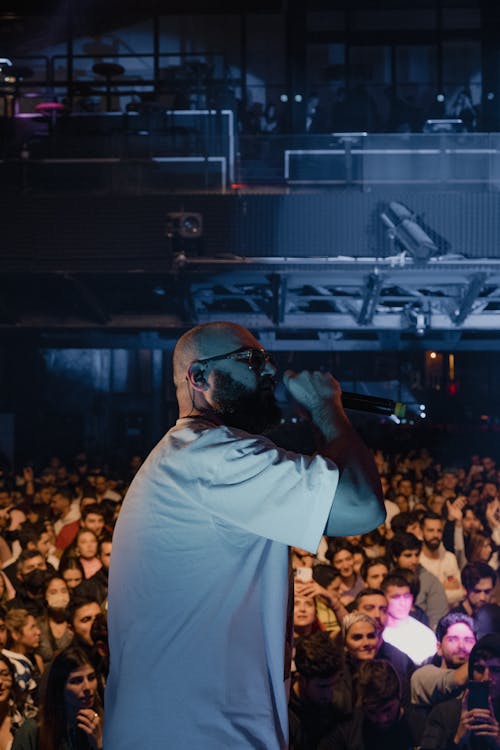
358, 505
430, 684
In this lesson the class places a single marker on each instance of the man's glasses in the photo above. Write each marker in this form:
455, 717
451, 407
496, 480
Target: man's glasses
256, 359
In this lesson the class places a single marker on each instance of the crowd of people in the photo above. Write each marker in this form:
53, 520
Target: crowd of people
395, 629
390, 627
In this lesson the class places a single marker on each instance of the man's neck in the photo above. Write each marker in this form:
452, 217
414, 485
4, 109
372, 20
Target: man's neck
392, 622
349, 581
433, 554
466, 605
208, 414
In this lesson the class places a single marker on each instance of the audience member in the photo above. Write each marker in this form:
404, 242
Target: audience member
86, 548
103, 490
14, 708
316, 697
374, 571
82, 611
379, 719
92, 519
455, 722
373, 603
405, 551
407, 523
478, 580
67, 519
23, 640
342, 557
54, 627
439, 561
71, 712
481, 549
416, 640
305, 621
71, 571
325, 589
447, 675
31, 575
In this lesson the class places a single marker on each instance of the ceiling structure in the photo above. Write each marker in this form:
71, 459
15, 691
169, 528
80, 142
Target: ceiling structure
393, 303
314, 303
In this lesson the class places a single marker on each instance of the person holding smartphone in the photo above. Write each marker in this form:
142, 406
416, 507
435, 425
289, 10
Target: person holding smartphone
471, 721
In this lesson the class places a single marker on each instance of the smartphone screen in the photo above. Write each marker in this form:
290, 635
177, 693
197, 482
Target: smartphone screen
478, 694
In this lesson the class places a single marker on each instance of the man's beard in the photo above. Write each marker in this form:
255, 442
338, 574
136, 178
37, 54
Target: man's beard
433, 544
238, 406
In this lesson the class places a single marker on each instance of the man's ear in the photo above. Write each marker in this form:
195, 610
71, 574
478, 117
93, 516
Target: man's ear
196, 376
439, 650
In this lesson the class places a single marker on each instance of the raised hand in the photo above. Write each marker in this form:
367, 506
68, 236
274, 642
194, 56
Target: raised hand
90, 722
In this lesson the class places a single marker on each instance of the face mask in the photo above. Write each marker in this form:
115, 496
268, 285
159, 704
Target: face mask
58, 601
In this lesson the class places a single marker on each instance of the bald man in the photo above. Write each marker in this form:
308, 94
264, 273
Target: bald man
199, 571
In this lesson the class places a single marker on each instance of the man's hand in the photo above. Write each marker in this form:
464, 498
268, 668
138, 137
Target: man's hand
492, 513
358, 505
455, 512
451, 583
313, 589
478, 721
320, 394
28, 474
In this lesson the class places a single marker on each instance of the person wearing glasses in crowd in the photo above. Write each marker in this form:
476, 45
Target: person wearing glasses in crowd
201, 547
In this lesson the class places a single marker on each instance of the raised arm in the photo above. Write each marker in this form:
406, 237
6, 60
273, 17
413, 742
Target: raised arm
357, 506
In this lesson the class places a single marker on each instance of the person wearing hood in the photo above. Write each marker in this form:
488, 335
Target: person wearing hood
455, 723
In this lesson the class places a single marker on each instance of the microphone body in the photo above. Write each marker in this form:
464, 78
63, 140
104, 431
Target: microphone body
354, 401
373, 404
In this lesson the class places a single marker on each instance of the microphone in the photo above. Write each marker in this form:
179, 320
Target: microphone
353, 401
373, 404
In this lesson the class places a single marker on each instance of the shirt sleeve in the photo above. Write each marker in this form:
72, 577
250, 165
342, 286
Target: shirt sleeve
247, 481
430, 684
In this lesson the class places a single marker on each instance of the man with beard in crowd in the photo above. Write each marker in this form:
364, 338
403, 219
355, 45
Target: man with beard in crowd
199, 573
438, 560
458, 722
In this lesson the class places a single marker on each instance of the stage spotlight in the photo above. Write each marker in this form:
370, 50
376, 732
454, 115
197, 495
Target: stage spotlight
403, 227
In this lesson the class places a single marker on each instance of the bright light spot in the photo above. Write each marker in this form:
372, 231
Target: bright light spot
283, 98
490, 96
423, 415
433, 355
298, 97
440, 97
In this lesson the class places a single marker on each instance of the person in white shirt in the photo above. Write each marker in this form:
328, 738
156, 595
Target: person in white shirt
402, 631
437, 560
198, 582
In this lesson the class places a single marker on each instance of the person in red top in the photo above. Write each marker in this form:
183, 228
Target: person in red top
68, 519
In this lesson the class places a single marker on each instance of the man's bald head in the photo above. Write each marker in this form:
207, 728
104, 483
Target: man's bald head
208, 340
